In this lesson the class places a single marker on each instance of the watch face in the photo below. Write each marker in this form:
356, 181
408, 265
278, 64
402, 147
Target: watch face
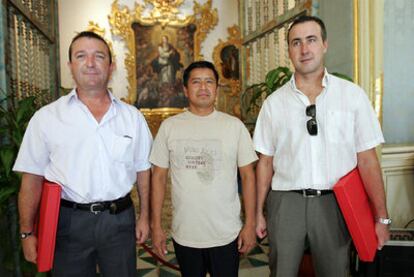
386, 221
25, 235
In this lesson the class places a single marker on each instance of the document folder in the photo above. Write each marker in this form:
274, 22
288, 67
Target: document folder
47, 225
355, 207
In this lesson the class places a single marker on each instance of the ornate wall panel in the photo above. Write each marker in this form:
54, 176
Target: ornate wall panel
31, 49
264, 28
398, 170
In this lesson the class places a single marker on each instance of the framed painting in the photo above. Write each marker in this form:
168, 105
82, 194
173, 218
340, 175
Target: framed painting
162, 54
160, 41
226, 59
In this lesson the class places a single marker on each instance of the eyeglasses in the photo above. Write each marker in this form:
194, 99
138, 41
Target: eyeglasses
311, 124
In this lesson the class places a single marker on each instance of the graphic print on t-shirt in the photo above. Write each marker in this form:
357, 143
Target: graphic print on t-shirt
202, 156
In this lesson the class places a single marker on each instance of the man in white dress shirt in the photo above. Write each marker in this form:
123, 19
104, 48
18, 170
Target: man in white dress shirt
309, 133
95, 147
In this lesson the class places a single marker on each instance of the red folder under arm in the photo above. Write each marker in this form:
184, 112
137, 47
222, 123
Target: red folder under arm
353, 202
47, 225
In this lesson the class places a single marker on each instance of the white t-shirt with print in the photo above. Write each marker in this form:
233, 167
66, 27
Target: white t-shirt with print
203, 154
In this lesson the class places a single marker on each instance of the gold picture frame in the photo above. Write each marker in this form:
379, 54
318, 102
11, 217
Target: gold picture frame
226, 57
166, 14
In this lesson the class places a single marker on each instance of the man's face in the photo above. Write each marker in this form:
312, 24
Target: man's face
306, 47
90, 65
201, 89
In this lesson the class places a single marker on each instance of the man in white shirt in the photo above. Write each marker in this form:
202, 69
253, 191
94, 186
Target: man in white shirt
95, 147
204, 148
309, 133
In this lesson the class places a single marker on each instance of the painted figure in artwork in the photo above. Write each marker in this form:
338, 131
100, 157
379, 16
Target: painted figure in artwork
167, 63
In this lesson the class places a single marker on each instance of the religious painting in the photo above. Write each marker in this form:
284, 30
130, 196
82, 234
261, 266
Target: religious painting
160, 42
162, 54
226, 59
230, 62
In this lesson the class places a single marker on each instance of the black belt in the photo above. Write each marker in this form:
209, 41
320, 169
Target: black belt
313, 192
114, 207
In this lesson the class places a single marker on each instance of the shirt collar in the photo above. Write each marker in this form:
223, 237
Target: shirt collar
325, 80
73, 96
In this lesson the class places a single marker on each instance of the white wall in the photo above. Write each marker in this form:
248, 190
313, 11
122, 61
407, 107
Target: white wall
74, 16
398, 104
340, 55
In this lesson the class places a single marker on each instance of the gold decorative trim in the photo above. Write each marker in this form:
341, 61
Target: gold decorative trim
154, 117
356, 41
234, 39
165, 13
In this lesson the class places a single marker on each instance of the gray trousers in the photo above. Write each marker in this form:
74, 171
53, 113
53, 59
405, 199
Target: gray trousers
294, 221
85, 240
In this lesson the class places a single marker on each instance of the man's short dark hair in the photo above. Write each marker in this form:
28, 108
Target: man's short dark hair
199, 64
308, 18
89, 34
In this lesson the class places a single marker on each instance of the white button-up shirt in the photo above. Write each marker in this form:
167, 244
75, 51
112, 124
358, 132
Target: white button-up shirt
347, 124
91, 161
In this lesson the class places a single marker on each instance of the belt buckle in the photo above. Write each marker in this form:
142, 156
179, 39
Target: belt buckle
304, 193
113, 208
93, 206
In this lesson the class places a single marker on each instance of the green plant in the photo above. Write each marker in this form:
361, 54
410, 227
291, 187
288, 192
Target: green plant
255, 94
14, 118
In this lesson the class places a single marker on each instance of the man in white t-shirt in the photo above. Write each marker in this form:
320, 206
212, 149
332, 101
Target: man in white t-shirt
203, 148
309, 133
96, 148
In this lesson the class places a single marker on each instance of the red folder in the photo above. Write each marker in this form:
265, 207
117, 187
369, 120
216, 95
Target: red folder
47, 225
353, 202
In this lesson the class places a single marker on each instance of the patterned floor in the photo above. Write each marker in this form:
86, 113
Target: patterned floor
252, 265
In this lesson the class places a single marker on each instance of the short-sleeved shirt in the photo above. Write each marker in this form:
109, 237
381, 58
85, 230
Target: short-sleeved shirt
347, 124
203, 154
91, 161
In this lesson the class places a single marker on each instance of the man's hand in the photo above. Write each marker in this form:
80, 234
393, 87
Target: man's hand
261, 226
383, 234
246, 240
29, 245
159, 242
142, 230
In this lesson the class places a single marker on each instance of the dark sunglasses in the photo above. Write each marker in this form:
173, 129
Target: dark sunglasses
311, 124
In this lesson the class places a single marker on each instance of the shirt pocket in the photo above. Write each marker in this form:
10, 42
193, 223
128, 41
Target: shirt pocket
122, 150
340, 126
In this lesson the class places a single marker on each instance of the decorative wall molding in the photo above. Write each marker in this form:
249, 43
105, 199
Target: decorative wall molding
396, 157
398, 171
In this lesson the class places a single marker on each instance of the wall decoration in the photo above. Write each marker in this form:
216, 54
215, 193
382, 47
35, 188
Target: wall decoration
161, 37
227, 61
163, 53
226, 58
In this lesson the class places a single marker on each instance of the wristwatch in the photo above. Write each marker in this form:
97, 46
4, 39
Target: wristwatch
385, 221
25, 235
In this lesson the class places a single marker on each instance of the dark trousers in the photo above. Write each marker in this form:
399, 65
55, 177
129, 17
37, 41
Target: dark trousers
294, 221
221, 261
86, 241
